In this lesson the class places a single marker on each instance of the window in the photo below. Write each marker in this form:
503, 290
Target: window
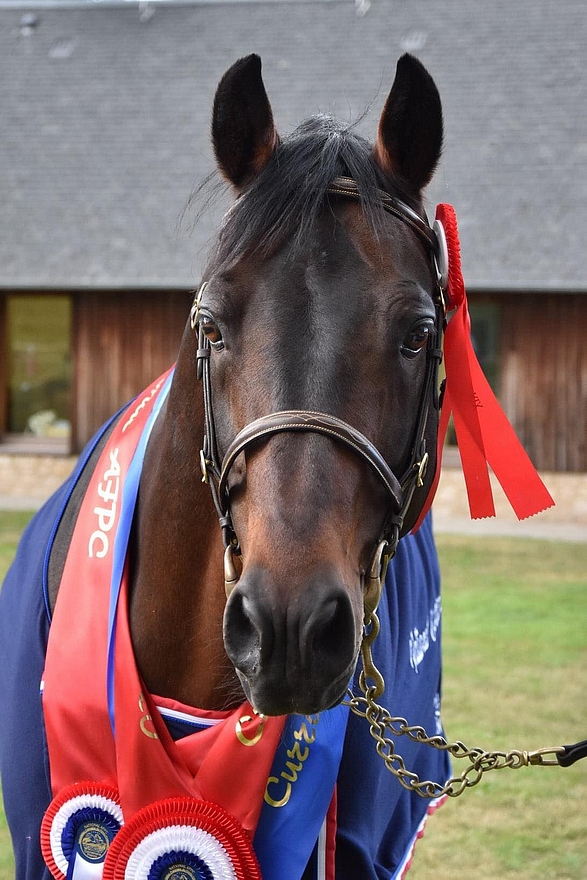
38, 370
485, 338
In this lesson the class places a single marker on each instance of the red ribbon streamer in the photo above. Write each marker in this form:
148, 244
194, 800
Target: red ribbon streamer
484, 434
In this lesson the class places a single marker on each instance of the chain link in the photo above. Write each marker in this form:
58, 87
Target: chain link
381, 722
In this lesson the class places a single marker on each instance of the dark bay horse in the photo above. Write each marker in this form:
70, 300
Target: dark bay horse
316, 336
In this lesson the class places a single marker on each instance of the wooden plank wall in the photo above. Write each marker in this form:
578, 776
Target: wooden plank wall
543, 382
122, 341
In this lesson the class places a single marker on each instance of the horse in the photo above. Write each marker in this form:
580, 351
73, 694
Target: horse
309, 365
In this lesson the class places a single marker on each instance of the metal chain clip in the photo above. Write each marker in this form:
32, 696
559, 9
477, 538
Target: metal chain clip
480, 760
380, 722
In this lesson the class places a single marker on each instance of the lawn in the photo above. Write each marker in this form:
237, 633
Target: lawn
515, 667
515, 653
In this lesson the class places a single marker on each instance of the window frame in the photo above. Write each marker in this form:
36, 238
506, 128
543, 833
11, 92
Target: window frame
21, 442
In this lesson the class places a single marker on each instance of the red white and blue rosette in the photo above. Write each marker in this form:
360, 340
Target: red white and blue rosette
78, 828
182, 839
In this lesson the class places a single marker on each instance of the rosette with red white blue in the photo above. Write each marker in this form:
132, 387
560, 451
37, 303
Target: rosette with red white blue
78, 828
182, 839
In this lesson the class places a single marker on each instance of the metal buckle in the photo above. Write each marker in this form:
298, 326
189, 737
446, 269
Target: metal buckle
204, 467
422, 467
195, 309
231, 572
374, 579
441, 256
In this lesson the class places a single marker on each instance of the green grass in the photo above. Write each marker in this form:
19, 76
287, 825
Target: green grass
515, 673
12, 524
515, 667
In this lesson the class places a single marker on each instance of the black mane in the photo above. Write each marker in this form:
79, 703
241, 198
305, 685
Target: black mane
284, 200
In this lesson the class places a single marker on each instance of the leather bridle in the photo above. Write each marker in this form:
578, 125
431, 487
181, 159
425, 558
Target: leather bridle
400, 492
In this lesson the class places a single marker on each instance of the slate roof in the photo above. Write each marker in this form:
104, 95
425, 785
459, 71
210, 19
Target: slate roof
104, 127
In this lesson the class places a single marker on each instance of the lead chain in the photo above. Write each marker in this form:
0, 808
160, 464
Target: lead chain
380, 721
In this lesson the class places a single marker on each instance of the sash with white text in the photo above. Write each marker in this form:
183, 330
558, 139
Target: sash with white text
125, 793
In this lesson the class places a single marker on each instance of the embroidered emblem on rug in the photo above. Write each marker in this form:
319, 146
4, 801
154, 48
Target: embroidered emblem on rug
419, 642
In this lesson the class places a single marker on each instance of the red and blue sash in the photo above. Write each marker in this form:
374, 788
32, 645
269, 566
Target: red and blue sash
247, 798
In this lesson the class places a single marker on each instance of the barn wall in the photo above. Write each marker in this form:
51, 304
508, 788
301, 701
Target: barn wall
122, 341
543, 376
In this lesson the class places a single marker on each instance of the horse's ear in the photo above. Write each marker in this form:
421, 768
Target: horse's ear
243, 132
409, 139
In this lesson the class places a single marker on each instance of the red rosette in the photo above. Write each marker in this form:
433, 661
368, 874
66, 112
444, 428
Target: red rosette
182, 837
84, 803
455, 289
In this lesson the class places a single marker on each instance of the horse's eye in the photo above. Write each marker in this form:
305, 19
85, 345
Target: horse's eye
211, 331
416, 339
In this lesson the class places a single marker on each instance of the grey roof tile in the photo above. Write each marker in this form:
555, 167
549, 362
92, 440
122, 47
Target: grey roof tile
105, 127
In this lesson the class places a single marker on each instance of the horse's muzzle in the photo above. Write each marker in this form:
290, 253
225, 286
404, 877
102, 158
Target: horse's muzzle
295, 649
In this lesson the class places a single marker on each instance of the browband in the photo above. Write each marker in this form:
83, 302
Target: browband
346, 186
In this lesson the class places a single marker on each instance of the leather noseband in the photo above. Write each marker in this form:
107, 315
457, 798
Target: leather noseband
319, 423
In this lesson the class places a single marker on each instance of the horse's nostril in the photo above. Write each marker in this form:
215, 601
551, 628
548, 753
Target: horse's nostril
331, 633
241, 636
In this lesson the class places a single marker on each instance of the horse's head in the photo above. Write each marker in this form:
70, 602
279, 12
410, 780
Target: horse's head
318, 301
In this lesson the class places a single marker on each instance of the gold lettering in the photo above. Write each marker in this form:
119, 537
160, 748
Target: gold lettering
302, 733
296, 752
272, 801
293, 767
143, 725
242, 737
145, 720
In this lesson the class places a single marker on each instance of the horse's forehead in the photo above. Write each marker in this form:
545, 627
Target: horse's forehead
393, 251
342, 251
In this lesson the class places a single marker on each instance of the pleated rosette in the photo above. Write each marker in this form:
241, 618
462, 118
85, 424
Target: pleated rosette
182, 839
79, 827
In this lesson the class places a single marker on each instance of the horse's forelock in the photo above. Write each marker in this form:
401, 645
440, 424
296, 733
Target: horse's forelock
285, 199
